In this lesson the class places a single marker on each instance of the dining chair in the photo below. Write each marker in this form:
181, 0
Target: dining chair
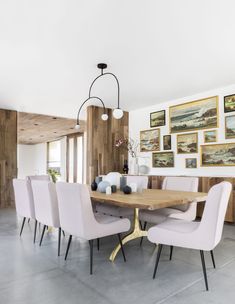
46, 207
44, 177
204, 235
77, 217
24, 202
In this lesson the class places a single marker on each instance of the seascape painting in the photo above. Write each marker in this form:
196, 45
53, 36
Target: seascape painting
187, 143
218, 155
150, 140
163, 160
230, 126
229, 103
210, 136
157, 119
167, 142
195, 115
191, 163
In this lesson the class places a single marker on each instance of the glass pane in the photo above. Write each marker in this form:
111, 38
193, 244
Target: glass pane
71, 159
54, 154
80, 159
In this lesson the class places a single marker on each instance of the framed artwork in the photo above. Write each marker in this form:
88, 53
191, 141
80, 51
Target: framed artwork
157, 119
150, 140
194, 115
229, 103
218, 155
210, 136
187, 143
191, 163
163, 159
230, 126
166, 142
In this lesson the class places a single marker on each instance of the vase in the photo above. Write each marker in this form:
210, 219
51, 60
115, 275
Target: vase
134, 167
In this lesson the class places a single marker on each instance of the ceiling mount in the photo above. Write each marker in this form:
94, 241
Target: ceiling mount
102, 66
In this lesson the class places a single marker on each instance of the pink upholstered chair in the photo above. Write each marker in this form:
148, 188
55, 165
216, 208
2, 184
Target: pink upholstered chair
44, 177
204, 235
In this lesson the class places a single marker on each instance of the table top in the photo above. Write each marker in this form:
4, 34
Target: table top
150, 199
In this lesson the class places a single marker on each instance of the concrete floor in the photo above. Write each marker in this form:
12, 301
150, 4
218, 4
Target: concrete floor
29, 274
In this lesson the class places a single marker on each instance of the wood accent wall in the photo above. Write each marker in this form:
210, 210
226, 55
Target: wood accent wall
8, 156
102, 155
205, 183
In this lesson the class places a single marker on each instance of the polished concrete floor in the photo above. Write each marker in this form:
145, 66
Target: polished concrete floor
33, 274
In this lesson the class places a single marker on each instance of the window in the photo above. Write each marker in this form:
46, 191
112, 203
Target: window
54, 156
75, 158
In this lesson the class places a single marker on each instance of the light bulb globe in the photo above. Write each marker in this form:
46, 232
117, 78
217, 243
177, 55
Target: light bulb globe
117, 113
104, 117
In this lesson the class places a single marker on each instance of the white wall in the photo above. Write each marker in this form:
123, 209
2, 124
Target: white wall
140, 120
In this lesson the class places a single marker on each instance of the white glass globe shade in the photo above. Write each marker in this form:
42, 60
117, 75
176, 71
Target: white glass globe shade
104, 117
117, 113
77, 127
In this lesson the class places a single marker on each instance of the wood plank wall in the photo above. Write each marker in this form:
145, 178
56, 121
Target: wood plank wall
102, 155
8, 156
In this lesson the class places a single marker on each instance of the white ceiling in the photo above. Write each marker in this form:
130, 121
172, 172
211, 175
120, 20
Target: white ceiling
160, 50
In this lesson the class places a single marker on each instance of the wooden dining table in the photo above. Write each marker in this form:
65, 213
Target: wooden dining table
150, 199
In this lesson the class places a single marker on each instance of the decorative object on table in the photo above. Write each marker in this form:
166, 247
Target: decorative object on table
218, 155
133, 187
125, 167
94, 186
114, 188
98, 179
117, 113
54, 174
163, 159
143, 169
166, 142
194, 115
108, 190
157, 119
210, 136
127, 190
229, 103
187, 143
150, 140
230, 127
191, 163
102, 186
122, 182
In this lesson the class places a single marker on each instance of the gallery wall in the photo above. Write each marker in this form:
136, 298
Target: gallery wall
140, 120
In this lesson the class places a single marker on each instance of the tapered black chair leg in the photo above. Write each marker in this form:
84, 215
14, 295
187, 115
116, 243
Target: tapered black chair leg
91, 256
171, 251
98, 244
213, 259
43, 231
120, 242
22, 226
68, 246
157, 259
204, 268
59, 240
144, 228
35, 231
63, 232
28, 220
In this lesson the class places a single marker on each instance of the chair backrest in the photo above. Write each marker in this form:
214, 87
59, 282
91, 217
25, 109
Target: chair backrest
211, 226
139, 180
23, 198
38, 177
45, 202
113, 178
180, 183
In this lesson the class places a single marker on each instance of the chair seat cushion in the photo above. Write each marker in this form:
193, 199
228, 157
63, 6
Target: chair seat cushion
160, 215
114, 210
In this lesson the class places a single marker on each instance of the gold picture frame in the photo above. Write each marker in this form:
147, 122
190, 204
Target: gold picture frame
163, 159
217, 155
187, 143
230, 126
150, 140
157, 119
201, 114
191, 163
210, 136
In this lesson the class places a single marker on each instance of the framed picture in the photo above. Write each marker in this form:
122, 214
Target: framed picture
194, 115
218, 155
150, 140
166, 142
229, 103
157, 119
230, 126
187, 143
210, 136
163, 159
191, 163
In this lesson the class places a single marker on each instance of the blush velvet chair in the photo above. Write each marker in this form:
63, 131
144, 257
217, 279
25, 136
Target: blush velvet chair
203, 236
77, 217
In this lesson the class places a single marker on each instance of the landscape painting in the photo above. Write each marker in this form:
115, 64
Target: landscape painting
167, 142
195, 115
218, 155
210, 136
187, 143
163, 159
191, 163
157, 119
229, 103
150, 140
230, 126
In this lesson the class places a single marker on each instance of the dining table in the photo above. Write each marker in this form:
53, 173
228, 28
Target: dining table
150, 199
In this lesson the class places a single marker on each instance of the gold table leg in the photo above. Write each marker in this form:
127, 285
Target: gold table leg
136, 233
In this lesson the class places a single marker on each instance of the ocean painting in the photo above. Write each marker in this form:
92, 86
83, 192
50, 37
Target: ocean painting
157, 119
229, 103
195, 115
187, 143
191, 163
163, 159
230, 126
150, 140
210, 136
218, 155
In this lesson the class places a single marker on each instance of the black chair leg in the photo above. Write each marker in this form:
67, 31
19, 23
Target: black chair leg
35, 231
68, 246
144, 228
213, 259
22, 226
98, 244
43, 231
28, 220
171, 251
120, 242
157, 259
59, 240
91, 256
204, 268
63, 232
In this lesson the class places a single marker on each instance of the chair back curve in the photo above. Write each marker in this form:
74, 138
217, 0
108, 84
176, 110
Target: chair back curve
38, 177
